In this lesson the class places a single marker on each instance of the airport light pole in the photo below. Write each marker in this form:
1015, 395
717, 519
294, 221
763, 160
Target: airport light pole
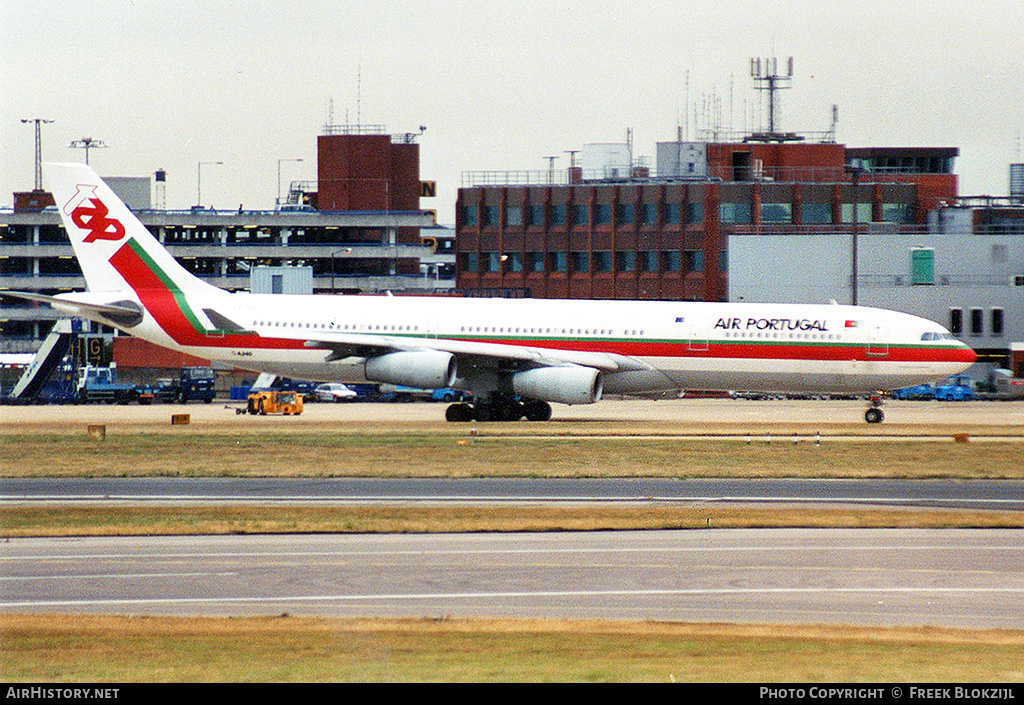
39, 150
279, 161
199, 182
87, 143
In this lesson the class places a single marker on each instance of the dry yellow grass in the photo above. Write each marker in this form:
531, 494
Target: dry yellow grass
67, 649
60, 520
416, 455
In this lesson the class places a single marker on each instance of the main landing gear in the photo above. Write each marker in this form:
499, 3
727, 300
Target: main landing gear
499, 408
874, 414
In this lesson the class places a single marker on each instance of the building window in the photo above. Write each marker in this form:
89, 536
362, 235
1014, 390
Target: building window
648, 261
864, 214
694, 213
776, 213
579, 261
469, 261
977, 322
815, 213
672, 261
673, 213
535, 215
513, 262
625, 214
487, 216
649, 213
469, 215
602, 261
557, 261
694, 260
997, 322
491, 261
956, 321
602, 214
625, 261
922, 267
897, 213
513, 215
535, 261
579, 214
556, 215
735, 213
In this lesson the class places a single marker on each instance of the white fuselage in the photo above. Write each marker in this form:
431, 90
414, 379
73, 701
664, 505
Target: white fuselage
683, 345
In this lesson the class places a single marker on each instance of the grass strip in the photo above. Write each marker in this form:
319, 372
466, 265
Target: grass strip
412, 455
85, 648
176, 520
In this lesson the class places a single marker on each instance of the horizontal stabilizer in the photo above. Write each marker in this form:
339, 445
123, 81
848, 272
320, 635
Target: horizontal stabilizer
122, 313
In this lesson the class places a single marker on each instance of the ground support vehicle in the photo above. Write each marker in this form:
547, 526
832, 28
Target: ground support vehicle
915, 393
957, 389
273, 402
197, 383
100, 385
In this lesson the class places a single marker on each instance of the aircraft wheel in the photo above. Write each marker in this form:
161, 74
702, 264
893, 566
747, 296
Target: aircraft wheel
458, 413
874, 416
537, 411
512, 411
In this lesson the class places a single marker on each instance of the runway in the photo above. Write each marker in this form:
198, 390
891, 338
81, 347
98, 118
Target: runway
948, 494
954, 578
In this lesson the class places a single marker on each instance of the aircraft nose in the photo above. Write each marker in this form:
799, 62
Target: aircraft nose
968, 355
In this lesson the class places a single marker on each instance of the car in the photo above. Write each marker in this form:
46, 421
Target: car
334, 391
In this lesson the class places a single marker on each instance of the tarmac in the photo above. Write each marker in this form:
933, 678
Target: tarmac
642, 417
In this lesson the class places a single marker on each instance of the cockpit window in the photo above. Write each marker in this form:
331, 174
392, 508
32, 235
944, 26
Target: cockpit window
937, 336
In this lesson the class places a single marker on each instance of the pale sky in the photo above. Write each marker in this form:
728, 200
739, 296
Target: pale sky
499, 86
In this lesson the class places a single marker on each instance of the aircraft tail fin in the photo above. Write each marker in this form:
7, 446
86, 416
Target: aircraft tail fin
114, 249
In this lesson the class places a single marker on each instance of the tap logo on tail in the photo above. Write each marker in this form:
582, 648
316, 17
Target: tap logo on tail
88, 212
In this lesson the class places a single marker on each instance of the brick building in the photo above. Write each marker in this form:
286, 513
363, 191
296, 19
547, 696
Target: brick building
628, 234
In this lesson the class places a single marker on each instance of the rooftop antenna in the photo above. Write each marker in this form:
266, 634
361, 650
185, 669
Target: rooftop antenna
767, 78
39, 151
87, 143
686, 107
830, 136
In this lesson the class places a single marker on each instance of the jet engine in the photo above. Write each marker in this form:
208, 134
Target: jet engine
566, 385
424, 369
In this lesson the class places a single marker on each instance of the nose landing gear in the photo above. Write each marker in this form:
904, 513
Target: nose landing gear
875, 414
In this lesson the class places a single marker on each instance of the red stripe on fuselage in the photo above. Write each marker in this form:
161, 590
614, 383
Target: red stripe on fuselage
753, 351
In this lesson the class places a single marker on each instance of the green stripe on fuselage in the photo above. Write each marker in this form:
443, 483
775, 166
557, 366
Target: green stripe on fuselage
176, 292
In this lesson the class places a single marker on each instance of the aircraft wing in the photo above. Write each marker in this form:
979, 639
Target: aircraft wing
91, 305
350, 345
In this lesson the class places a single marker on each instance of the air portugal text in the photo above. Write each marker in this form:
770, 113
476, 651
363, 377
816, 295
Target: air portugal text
773, 324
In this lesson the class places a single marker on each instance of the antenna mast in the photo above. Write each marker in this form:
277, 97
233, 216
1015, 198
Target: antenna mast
767, 78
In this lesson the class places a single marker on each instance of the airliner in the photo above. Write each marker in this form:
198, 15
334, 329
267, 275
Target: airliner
515, 357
